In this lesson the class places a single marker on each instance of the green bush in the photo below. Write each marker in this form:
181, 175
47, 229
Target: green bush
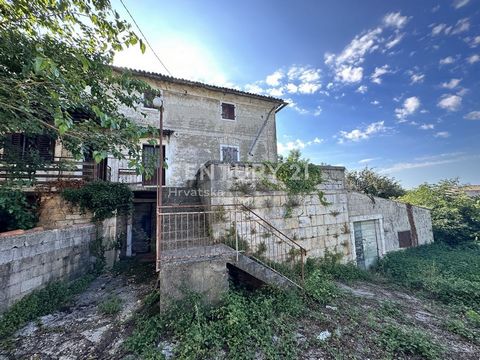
102, 198
110, 306
15, 210
408, 341
331, 264
449, 274
243, 325
319, 286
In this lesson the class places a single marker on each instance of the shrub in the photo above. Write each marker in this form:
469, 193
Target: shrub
110, 306
103, 199
449, 274
319, 286
408, 341
243, 326
15, 210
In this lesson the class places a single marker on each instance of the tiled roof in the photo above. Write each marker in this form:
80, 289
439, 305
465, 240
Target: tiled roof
162, 77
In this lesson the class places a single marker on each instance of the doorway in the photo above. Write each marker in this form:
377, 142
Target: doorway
366, 242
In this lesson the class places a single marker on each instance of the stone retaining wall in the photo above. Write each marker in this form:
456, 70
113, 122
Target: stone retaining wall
35, 258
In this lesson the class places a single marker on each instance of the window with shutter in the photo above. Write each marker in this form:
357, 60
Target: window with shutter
20, 145
228, 111
148, 97
404, 239
230, 154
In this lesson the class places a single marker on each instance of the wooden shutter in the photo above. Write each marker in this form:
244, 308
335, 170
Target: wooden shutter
228, 111
229, 154
45, 146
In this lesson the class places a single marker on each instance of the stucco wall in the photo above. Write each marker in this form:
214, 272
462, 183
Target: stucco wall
394, 217
194, 114
31, 260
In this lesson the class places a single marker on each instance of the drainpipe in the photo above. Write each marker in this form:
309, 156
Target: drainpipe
277, 108
158, 103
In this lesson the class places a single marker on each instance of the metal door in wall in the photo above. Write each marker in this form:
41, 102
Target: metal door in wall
366, 244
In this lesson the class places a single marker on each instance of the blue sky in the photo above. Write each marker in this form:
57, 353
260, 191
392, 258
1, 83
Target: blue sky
393, 85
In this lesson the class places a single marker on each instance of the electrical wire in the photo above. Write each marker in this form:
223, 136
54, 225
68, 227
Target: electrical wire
145, 38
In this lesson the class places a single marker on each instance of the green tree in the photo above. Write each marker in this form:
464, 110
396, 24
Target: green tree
56, 78
455, 216
372, 183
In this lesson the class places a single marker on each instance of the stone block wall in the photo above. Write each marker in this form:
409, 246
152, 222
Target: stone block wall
35, 258
56, 213
394, 216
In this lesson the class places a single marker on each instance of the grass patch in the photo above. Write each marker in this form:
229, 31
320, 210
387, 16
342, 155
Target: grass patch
399, 341
448, 274
41, 302
243, 325
110, 306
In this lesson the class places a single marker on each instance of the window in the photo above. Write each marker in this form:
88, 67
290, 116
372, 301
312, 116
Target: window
404, 239
228, 111
24, 146
148, 97
150, 156
229, 154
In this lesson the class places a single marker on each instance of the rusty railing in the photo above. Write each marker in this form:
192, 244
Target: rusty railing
189, 231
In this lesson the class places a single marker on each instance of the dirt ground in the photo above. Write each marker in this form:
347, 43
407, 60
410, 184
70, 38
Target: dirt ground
345, 329
80, 330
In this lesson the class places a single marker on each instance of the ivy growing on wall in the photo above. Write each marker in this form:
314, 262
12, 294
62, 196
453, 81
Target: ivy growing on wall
103, 199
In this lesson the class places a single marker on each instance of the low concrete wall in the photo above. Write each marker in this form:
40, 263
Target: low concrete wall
33, 259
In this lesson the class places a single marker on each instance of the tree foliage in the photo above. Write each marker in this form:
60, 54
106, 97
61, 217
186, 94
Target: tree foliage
455, 215
56, 78
372, 183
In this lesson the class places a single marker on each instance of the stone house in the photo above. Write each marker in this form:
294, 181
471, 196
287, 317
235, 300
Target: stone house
213, 139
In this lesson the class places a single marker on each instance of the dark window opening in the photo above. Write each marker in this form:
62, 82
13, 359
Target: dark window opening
150, 157
22, 147
228, 111
230, 154
404, 239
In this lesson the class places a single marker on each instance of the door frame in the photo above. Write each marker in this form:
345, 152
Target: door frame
380, 233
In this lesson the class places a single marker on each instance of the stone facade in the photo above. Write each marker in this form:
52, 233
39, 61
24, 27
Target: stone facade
194, 113
57, 213
35, 258
316, 225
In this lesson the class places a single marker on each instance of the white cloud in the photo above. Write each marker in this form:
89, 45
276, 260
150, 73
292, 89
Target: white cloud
472, 115
362, 89
417, 78
292, 104
376, 77
253, 88
448, 60
309, 88
349, 74
473, 59
390, 44
395, 20
366, 161
457, 4
410, 106
442, 134
375, 102
275, 92
285, 148
450, 102
462, 25
274, 79
318, 111
355, 52
437, 29
427, 126
362, 134
473, 42
452, 84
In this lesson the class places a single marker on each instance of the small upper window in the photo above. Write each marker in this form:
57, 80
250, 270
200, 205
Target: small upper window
228, 111
148, 97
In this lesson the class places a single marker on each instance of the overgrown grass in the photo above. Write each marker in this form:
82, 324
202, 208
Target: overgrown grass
448, 274
242, 326
41, 302
111, 305
399, 341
